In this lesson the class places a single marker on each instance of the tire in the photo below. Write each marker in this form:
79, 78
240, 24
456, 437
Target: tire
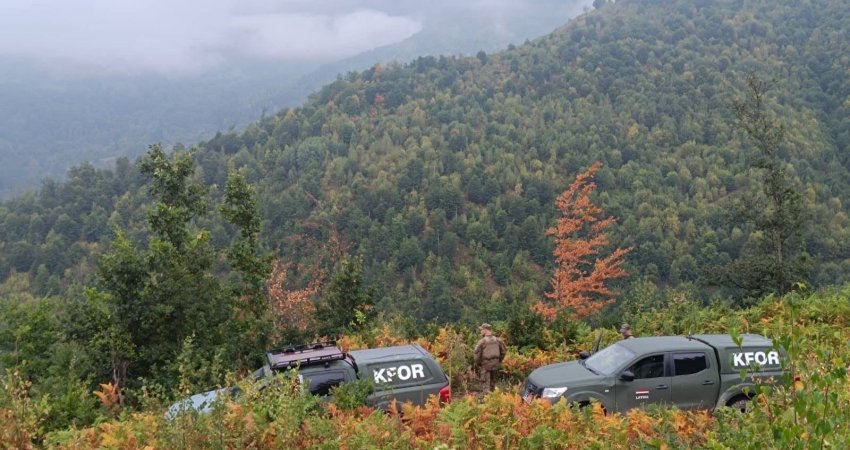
741, 404
588, 404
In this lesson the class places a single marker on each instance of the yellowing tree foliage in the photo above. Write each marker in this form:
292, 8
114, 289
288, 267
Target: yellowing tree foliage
292, 309
579, 283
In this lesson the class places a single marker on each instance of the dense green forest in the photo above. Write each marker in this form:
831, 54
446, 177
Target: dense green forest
442, 172
438, 179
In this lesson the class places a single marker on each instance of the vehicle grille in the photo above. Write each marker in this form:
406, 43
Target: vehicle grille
529, 390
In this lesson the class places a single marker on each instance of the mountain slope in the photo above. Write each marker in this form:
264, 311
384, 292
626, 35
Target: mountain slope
442, 172
52, 118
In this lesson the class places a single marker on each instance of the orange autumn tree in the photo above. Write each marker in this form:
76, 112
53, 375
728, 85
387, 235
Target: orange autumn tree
579, 283
292, 310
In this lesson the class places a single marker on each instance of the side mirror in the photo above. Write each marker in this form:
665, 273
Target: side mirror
584, 354
627, 375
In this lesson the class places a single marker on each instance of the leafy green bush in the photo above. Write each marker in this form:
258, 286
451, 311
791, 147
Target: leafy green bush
353, 394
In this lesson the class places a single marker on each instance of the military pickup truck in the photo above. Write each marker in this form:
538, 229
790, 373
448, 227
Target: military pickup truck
690, 372
402, 373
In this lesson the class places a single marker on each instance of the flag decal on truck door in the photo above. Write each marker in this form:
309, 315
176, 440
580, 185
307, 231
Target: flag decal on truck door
642, 394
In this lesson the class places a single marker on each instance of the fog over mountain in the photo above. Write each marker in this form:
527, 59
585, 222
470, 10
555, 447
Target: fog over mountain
92, 80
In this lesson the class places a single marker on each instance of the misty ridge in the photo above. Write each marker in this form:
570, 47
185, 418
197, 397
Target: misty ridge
91, 81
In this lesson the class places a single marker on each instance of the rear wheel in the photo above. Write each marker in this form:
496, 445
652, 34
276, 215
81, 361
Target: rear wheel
741, 403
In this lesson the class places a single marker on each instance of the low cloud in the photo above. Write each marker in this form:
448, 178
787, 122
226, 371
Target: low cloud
189, 36
310, 36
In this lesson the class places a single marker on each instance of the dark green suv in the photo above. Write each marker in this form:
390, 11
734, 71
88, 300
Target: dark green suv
402, 373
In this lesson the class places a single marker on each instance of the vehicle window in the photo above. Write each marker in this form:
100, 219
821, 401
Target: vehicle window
688, 363
321, 383
649, 367
609, 359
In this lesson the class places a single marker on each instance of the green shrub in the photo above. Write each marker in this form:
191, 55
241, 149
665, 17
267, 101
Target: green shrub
353, 394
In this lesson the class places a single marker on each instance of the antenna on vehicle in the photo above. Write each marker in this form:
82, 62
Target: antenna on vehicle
598, 341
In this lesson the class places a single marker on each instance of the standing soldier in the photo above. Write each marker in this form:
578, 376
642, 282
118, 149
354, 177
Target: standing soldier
489, 353
626, 331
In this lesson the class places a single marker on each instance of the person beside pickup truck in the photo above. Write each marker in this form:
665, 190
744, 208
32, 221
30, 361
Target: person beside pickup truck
489, 353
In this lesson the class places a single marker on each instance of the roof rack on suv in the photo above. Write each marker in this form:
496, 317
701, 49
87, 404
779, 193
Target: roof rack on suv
304, 355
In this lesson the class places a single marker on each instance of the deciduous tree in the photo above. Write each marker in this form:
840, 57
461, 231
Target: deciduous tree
160, 295
253, 327
292, 309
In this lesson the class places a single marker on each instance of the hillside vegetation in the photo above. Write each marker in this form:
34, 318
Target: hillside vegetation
442, 173
810, 413
411, 201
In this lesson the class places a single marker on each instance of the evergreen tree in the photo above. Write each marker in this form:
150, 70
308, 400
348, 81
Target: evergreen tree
774, 257
348, 304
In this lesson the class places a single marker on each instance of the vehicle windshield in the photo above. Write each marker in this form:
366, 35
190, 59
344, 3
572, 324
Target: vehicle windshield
609, 359
260, 373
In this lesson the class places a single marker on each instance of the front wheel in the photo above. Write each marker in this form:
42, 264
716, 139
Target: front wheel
593, 406
741, 404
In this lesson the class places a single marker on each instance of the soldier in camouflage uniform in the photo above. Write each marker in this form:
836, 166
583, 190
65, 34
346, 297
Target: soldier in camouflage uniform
489, 353
626, 331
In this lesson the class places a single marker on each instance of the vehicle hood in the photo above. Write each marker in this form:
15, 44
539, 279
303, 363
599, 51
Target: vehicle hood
199, 402
570, 373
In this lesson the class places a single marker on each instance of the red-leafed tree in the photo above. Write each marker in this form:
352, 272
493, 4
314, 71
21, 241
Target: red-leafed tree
579, 283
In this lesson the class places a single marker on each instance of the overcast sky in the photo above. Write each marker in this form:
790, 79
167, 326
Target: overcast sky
176, 37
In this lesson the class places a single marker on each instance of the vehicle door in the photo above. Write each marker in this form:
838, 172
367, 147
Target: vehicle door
644, 382
695, 380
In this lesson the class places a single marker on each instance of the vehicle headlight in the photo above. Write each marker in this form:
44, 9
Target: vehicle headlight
553, 392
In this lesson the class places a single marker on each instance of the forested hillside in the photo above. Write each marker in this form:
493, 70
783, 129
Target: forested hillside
405, 197
442, 172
